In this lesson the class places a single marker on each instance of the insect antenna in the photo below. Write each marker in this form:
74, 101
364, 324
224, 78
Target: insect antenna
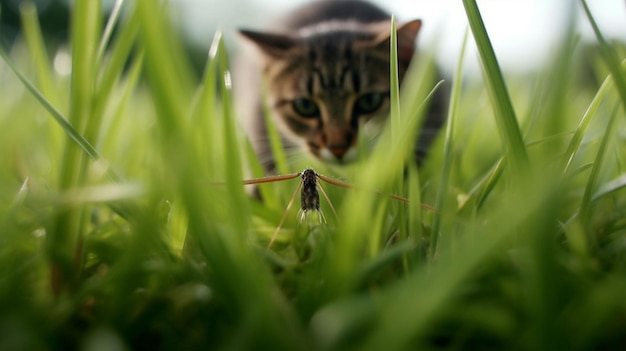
269, 179
346, 185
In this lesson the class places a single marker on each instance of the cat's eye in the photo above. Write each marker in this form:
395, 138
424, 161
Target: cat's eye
368, 103
305, 107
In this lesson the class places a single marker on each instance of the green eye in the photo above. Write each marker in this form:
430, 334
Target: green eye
368, 103
305, 107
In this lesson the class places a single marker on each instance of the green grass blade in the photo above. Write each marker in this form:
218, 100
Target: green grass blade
268, 195
233, 170
37, 49
85, 33
609, 56
113, 127
416, 90
396, 123
65, 235
592, 182
167, 87
71, 132
108, 30
276, 144
394, 83
506, 120
577, 138
415, 212
491, 181
369, 269
550, 94
109, 75
204, 112
44, 70
442, 191
610, 187
402, 150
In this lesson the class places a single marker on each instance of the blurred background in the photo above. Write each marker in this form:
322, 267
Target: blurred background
524, 32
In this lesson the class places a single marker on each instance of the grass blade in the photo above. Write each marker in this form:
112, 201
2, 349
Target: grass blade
586, 202
577, 138
506, 120
204, 114
610, 187
65, 235
396, 124
37, 49
394, 83
276, 144
110, 74
609, 56
442, 191
233, 170
54, 112
108, 30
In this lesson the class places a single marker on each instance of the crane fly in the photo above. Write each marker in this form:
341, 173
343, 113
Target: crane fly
309, 196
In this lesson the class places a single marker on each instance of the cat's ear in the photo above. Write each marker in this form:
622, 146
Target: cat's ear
406, 37
274, 45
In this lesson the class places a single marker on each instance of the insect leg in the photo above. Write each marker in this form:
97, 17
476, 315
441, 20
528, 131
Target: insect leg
327, 199
282, 220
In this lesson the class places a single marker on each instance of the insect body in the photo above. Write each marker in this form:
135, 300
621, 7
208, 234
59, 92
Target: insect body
310, 198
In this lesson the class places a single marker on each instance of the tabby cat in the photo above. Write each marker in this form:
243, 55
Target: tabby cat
326, 66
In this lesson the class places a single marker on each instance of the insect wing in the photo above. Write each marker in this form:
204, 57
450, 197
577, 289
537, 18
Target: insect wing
311, 218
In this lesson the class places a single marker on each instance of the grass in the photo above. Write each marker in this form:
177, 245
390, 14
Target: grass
114, 232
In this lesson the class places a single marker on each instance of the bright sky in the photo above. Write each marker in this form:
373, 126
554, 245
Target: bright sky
523, 32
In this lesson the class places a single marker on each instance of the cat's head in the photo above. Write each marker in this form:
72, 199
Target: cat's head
326, 80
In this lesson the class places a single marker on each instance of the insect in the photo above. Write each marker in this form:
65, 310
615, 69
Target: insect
309, 196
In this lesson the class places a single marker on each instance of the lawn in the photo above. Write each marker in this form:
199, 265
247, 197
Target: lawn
125, 224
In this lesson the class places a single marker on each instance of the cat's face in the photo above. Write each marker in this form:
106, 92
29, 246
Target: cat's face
326, 81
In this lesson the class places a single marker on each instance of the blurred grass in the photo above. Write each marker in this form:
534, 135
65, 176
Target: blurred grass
117, 191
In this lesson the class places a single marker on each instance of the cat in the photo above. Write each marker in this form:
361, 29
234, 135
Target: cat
326, 66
